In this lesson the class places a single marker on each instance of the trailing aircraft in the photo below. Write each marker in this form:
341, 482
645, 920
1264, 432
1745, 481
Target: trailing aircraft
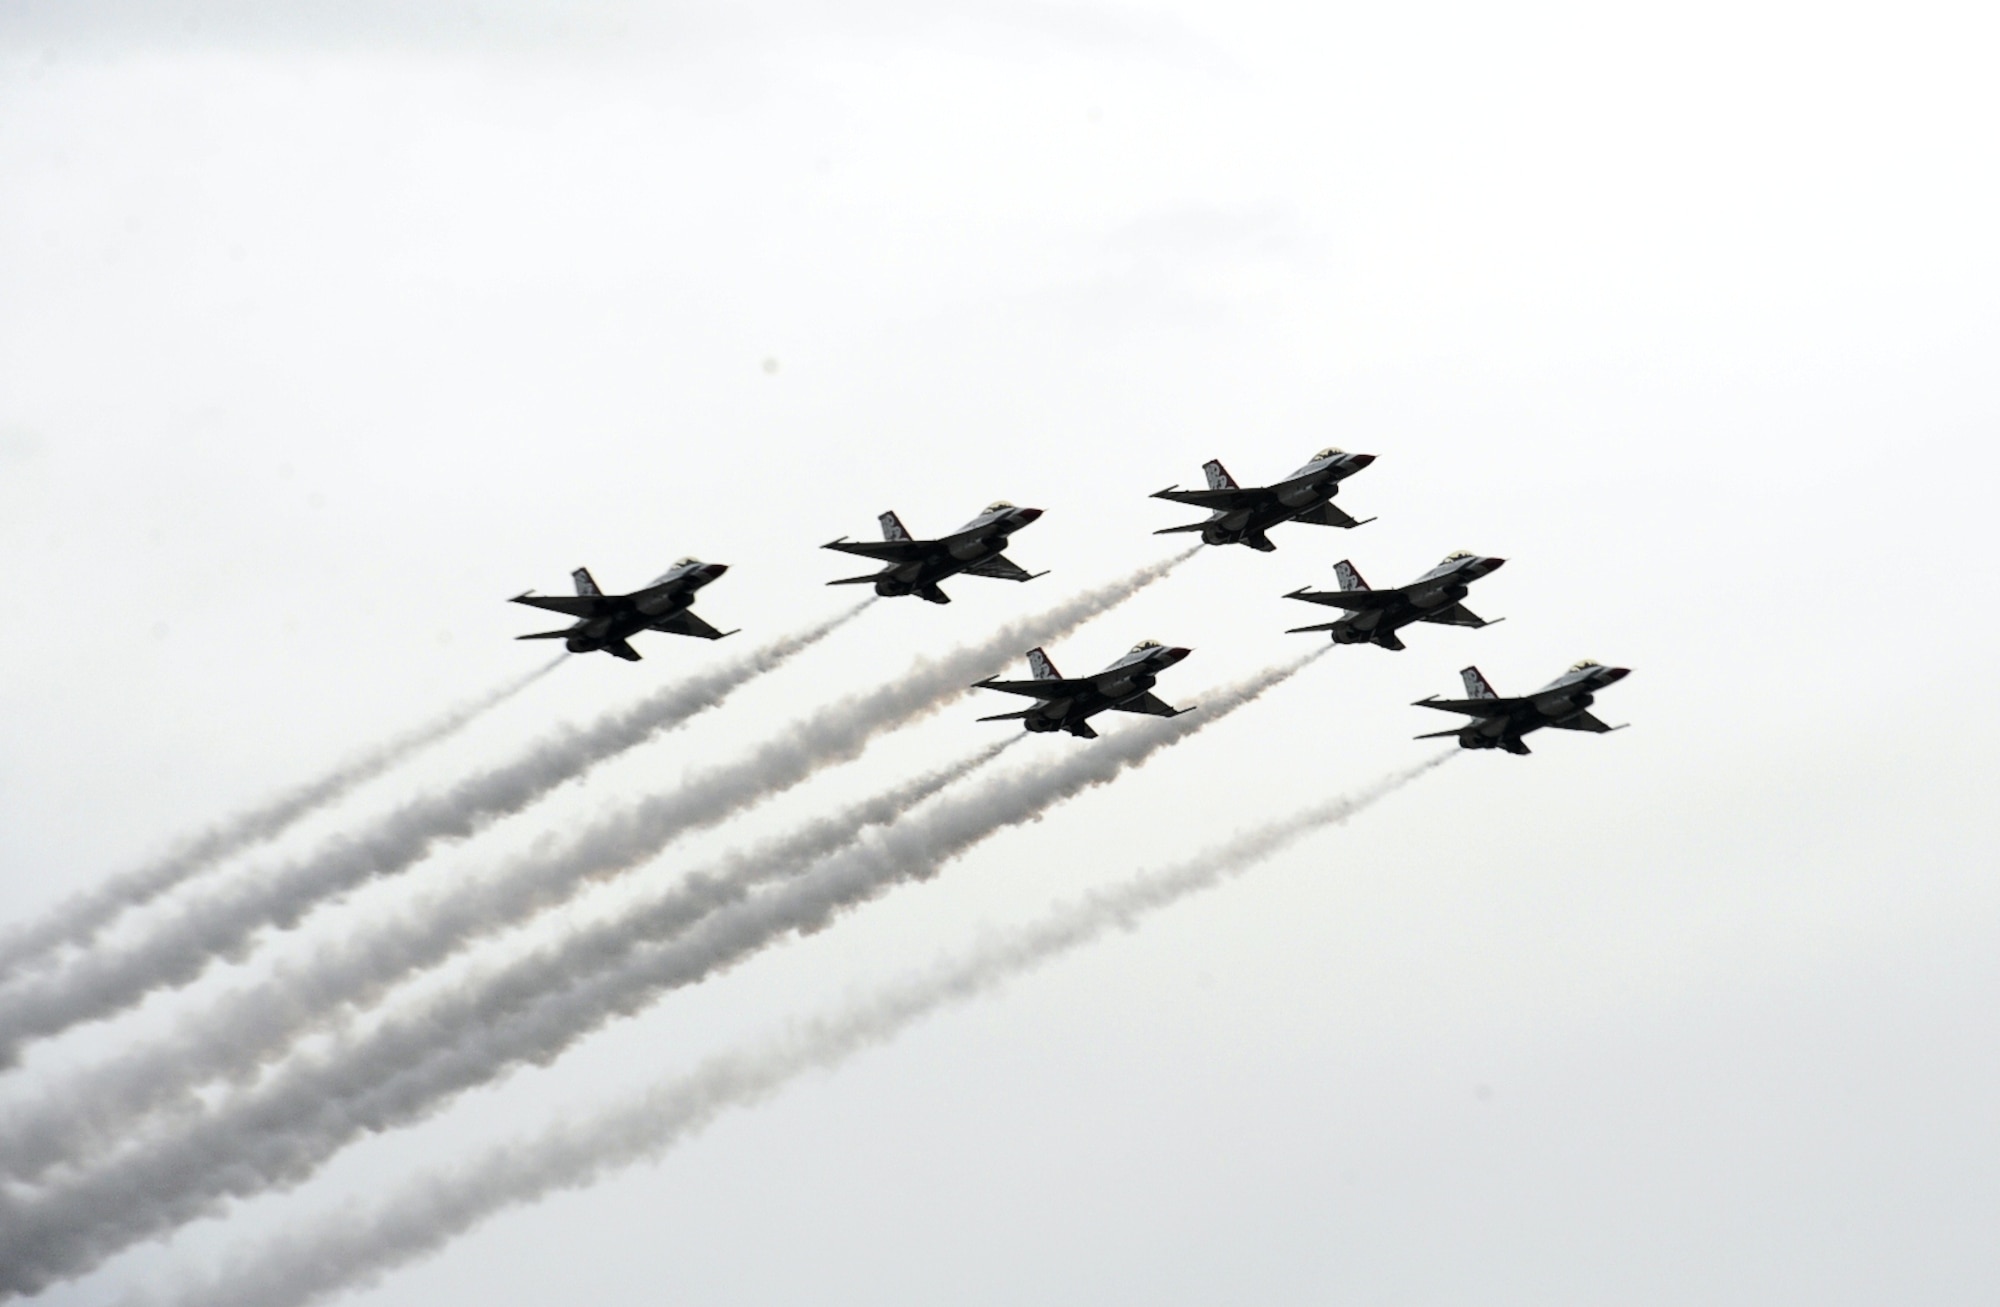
1374, 616
1067, 703
1499, 723
916, 566
1240, 515
608, 622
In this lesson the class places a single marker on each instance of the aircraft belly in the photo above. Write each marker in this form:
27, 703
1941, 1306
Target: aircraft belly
662, 605
1301, 497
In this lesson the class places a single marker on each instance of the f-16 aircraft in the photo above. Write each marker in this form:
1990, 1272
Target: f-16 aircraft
1241, 516
1068, 703
1500, 723
609, 621
916, 566
1374, 616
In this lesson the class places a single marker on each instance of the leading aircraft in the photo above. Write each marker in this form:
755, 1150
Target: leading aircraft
1500, 723
1067, 703
1241, 516
608, 622
916, 566
1374, 616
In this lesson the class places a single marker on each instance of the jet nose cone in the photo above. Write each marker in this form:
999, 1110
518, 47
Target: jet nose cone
1491, 564
1616, 674
1027, 515
713, 570
1176, 653
1359, 461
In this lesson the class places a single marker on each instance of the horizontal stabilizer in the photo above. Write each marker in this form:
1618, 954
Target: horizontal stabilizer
1439, 735
870, 579
545, 635
1176, 530
1007, 716
1321, 626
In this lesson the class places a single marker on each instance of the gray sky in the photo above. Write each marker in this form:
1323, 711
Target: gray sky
322, 334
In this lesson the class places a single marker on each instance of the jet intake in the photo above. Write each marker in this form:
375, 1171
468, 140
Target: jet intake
966, 551
1439, 596
1563, 705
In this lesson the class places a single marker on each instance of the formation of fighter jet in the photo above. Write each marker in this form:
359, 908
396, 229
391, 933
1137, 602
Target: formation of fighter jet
1068, 703
1374, 616
1498, 723
916, 566
1240, 516
608, 622
1237, 515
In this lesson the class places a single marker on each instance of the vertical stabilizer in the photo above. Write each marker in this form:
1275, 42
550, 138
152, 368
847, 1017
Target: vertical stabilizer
892, 527
1349, 578
584, 584
1040, 666
1475, 685
1218, 476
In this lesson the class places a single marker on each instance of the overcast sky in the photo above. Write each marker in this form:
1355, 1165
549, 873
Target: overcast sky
325, 328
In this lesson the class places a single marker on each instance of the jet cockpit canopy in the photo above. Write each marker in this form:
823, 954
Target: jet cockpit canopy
1328, 452
1586, 664
1144, 645
998, 506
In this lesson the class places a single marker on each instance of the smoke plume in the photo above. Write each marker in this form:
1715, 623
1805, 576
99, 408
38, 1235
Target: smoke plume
79, 920
82, 1119
412, 1063
353, 1248
223, 923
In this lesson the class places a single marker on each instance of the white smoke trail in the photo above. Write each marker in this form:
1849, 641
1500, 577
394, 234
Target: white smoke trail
223, 922
84, 1118
352, 1249
409, 1065
245, 1029
82, 918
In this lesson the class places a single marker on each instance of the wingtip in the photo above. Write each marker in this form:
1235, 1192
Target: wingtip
832, 544
1034, 575
1162, 494
1364, 521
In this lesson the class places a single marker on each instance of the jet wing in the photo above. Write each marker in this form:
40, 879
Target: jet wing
1475, 707
1052, 688
1223, 500
1327, 515
1002, 568
1150, 703
1354, 600
887, 551
1583, 721
1459, 615
686, 623
574, 605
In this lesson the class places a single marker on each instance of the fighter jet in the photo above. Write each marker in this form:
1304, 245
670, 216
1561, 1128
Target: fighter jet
1241, 517
608, 621
1500, 723
1067, 703
916, 566
1374, 616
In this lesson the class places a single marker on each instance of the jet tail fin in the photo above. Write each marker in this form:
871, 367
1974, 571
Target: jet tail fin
1218, 476
1350, 579
1475, 684
1041, 667
585, 585
892, 527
